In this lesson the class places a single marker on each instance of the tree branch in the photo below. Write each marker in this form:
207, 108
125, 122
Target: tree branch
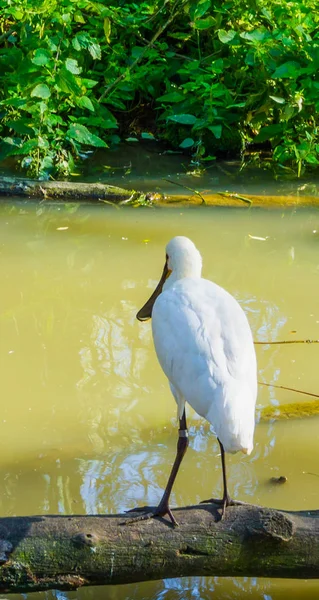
64, 552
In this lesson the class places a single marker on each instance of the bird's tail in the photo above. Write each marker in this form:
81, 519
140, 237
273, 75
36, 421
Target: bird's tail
233, 420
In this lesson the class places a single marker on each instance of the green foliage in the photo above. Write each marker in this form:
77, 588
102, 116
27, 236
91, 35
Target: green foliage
210, 76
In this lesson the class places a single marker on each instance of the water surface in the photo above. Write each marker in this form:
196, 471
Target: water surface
88, 424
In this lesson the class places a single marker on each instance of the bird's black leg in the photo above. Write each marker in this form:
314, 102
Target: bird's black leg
226, 500
163, 508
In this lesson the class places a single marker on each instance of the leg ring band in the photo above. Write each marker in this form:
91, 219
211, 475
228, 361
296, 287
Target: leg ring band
183, 433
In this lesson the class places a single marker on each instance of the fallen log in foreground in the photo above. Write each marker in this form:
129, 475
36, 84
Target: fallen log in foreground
67, 552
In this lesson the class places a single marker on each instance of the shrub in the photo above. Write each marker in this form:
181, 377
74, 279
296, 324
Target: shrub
210, 76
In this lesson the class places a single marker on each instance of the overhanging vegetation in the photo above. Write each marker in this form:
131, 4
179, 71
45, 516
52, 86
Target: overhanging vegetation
209, 77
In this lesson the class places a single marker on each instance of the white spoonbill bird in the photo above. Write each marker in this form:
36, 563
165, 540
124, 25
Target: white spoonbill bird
205, 347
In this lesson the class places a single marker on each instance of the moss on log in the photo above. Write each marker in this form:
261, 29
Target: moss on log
67, 552
227, 199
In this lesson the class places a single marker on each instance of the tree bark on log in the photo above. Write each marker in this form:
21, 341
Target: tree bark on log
67, 552
65, 190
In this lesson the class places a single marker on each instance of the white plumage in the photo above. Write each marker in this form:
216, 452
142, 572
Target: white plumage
204, 345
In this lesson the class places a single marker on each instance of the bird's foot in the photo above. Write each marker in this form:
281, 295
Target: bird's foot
223, 503
149, 512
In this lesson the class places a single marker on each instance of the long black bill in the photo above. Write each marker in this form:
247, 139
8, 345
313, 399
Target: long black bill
146, 311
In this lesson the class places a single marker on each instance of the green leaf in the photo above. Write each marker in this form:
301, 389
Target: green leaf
100, 122
137, 51
27, 147
250, 58
15, 142
311, 159
267, 14
43, 142
226, 36
46, 164
278, 99
115, 139
21, 126
171, 97
43, 107
238, 105
268, 133
81, 134
41, 57
209, 158
41, 91
187, 143
78, 17
53, 43
52, 120
72, 66
16, 13
95, 51
217, 66
180, 36
147, 136
184, 119
201, 8
81, 41
193, 65
115, 101
76, 44
67, 83
85, 102
15, 102
216, 130
287, 69
97, 7
288, 112
107, 29
6, 149
202, 24
89, 83
256, 36
66, 18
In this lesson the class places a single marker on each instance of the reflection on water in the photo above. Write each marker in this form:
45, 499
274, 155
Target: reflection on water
88, 424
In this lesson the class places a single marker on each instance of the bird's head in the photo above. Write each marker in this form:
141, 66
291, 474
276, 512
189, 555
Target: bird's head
182, 260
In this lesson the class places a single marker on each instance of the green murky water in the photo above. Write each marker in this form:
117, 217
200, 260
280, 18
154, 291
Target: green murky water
88, 423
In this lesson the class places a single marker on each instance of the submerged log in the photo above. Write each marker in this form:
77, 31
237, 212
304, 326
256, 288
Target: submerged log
67, 552
69, 190
92, 192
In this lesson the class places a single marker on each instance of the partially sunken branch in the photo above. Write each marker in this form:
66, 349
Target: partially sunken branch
64, 190
61, 552
75, 191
